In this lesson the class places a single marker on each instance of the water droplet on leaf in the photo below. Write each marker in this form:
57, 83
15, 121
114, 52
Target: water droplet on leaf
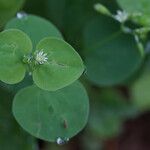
61, 141
21, 15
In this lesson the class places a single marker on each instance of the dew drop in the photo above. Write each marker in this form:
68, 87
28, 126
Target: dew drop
21, 15
61, 141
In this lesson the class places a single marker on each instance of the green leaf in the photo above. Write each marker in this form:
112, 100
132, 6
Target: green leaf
140, 91
35, 27
63, 67
111, 56
14, 44
136, 7
8, 9
50, 115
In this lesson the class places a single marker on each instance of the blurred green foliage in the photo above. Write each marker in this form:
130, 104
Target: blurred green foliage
11, 135
112, 58
8, 9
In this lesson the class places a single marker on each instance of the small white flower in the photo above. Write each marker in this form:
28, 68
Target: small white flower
41, 57
121, 16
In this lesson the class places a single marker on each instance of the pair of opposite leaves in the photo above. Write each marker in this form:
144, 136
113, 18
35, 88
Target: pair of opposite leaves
62, 67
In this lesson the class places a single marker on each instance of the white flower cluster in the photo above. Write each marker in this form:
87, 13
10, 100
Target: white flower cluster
121, 16
41, 57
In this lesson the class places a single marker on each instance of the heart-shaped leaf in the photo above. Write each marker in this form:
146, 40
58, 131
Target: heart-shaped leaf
14, 44
111, 56
62, 68
52, 115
